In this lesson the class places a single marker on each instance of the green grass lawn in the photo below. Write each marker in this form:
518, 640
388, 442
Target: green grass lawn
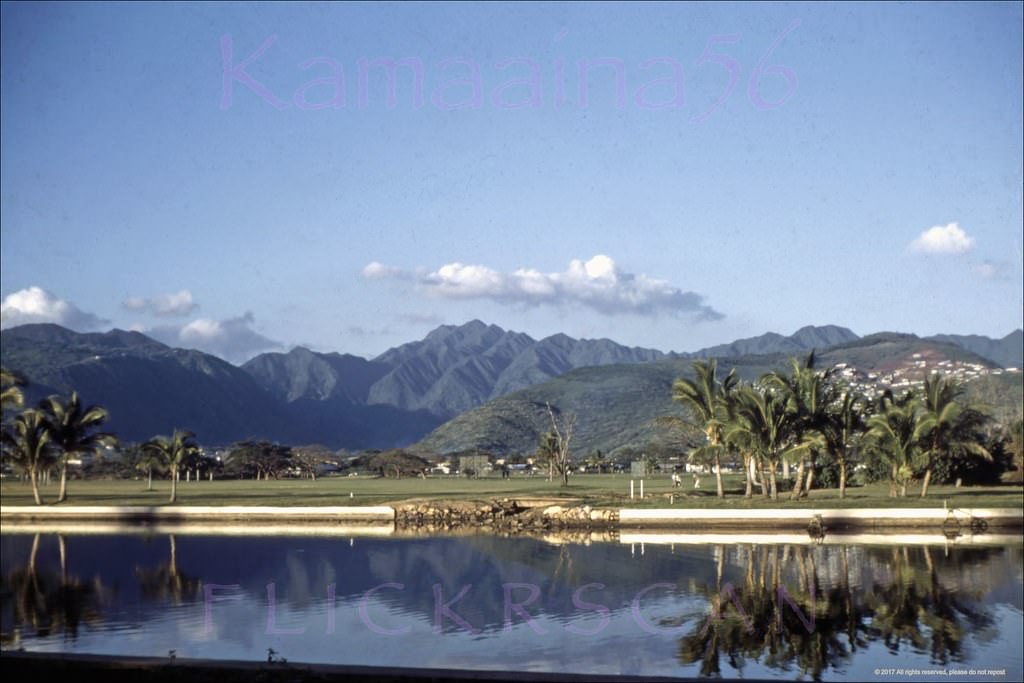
599, 490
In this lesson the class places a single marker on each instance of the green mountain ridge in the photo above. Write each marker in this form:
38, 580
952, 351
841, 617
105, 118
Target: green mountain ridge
504, 380
618, 407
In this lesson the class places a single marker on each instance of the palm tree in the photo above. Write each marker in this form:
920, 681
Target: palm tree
845, 424
72, 429
946, 427
894, 431
737, 441
764, 425
808, 394
30, 448
11, 394
147, 460
708, 401
172, 451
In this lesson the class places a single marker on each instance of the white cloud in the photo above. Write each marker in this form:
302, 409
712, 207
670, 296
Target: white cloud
166, 305
375, 270
597, 284
36, 305
993, 270
943, 239
232, 339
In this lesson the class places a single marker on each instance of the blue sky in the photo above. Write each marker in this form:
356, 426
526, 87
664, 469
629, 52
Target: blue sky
869, 174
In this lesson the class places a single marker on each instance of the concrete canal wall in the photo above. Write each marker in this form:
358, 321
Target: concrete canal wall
876, 519
188, 514
450, 515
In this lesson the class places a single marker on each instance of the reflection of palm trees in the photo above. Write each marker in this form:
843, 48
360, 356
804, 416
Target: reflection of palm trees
50, 603
166, 582
720, 633
837, 625
24, 586
916, 609
784, 615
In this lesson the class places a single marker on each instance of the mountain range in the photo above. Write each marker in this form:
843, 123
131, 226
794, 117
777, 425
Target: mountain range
618, 407
1007, 352
394, 399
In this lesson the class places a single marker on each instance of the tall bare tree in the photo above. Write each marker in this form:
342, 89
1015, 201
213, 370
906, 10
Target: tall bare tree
563, 428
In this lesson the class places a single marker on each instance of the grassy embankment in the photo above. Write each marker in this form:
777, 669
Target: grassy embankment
606, 490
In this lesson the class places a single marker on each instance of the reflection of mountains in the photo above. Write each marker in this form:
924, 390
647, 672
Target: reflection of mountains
921, 599
486, 564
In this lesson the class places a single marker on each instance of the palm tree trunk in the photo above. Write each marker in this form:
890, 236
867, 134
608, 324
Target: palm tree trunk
174, 484
748, 469
775, 488
810, 480
718, 476
799, 480
33, 476
63, 480
785, 469
927, 480
892, 485
149, 479
842, 478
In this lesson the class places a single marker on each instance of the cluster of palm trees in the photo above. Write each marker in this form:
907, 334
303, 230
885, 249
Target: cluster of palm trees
51, 434
58, 430
796, 417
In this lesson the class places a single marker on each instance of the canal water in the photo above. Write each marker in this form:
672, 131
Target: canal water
886, 609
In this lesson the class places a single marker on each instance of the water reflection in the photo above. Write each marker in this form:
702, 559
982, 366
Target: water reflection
915, 609
48, 601
784, 613
742, 609
165, 583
